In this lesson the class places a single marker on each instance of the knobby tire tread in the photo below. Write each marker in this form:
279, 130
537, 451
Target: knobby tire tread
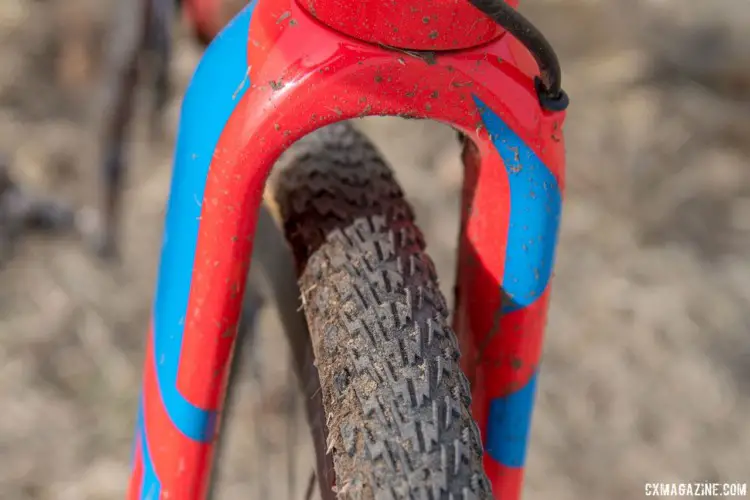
395, 400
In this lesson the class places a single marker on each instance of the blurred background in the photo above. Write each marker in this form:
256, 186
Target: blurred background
647, 363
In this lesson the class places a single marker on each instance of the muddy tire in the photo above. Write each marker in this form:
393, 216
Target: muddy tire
394, 398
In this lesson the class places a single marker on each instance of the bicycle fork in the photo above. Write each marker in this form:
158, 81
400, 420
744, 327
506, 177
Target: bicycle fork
277, 72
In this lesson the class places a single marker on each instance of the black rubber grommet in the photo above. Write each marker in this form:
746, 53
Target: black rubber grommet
559, 102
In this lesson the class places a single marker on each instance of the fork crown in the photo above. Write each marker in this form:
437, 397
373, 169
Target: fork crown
414, 25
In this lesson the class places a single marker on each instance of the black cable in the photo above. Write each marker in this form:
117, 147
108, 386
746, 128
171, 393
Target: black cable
549, 84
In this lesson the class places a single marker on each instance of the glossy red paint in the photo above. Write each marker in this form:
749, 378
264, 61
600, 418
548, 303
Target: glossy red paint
414, 25
303, 76
506, 482
216, 296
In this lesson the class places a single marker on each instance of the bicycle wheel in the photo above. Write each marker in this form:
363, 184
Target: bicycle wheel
394, 399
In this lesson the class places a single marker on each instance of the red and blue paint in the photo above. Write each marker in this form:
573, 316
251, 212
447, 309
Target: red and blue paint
177, 417
511, 357
275, 74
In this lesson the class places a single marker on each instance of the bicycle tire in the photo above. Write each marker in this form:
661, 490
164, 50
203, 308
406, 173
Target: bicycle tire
394, 398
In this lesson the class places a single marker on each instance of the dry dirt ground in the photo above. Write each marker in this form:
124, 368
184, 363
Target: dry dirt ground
647, 366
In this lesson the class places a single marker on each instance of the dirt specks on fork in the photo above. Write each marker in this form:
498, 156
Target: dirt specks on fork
243, 83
